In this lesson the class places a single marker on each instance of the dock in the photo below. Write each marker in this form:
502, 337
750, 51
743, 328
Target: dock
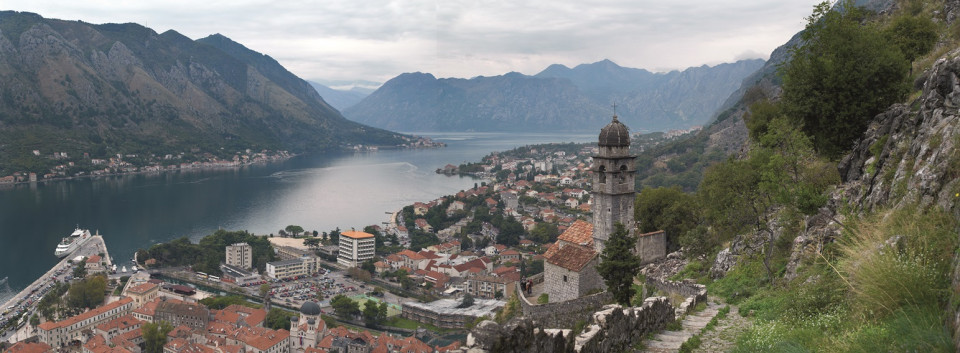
93, 246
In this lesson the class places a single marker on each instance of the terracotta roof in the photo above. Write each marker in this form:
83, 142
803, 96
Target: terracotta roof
510, 252
429, 254
580, 233
142, 288
93, 259
24, 347
572, 257
649, 234
499, 271
356, 234
98, 344
47, 326
150, 308
449, 347
233, 313
261, 338
122, 323
410, 254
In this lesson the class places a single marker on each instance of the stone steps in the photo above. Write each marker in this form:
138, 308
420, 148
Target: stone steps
670, 341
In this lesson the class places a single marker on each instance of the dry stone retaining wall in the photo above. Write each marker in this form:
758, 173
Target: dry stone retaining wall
612, 329
695, 293
566, 313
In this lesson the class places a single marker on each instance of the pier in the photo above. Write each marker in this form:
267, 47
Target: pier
18, 303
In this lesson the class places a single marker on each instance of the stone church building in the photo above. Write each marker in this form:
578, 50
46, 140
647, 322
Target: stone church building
570, 264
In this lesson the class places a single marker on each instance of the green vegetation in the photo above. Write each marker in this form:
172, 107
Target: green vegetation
279, 319
155, 336
543, 298
87, 293
667, 209
373, 314
846, 72
207, 255
345, 307
220, 302
618, 264
881, 287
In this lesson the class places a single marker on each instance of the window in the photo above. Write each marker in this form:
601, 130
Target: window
564, 278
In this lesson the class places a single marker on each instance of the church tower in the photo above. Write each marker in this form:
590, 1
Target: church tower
614, 175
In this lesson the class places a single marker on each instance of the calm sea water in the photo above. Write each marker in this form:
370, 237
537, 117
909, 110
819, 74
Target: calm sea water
319, 192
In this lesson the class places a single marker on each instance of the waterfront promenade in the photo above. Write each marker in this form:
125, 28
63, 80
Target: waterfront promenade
18, 304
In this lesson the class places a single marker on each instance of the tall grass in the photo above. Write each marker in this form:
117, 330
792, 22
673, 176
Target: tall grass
883, 287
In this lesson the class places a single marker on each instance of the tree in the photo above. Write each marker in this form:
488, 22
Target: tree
668, 209
374, 314
368, 266
466, 302
278, 319
359, 274
345, 307
87, 293
914, 35
313, 243
155, 336
618, 264
81, 270
295, 230
34, 320
845, 73
335, 236
544, 233
510, 232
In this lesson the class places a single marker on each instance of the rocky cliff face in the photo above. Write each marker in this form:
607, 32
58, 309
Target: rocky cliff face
123, 88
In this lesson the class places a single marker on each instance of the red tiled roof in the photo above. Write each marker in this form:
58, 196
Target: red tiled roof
580, 233
121, 323
142, 288
47, 326
572, 257
24, 347
93, 259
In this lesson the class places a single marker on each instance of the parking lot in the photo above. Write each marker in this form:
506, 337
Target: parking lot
321, 288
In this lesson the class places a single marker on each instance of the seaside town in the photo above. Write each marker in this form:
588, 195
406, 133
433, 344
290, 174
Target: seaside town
65, 165
413, 284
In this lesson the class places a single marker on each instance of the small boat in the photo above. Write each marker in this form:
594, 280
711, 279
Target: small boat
124, 269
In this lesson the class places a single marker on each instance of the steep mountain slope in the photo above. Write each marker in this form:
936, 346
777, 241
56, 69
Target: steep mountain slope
122, 88
556, 99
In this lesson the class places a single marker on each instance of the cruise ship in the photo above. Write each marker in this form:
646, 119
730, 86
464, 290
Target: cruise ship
69, 244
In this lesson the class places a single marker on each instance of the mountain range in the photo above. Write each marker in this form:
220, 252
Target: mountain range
556, 99
123, 88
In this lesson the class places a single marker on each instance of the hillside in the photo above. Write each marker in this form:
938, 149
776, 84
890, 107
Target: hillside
339, 99
556, 99
109, 89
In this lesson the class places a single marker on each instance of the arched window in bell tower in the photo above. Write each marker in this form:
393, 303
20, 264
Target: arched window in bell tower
622, 175
603, 174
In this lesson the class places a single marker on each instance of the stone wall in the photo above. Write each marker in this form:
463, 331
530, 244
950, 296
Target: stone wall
651, 246
563, 314
695, 293
612, 329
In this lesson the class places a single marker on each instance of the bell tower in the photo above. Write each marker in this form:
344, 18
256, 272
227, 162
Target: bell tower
614, 175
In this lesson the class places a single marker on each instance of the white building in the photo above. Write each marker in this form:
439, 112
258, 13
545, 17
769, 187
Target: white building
303, 266
355, 248
240, 255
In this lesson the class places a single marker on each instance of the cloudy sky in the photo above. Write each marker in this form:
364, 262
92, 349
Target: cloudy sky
375, 40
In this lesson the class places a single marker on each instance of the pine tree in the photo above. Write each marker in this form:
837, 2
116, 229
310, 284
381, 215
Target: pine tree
618, 264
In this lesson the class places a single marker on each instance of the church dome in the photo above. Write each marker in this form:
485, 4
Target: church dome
310, 308
615, 134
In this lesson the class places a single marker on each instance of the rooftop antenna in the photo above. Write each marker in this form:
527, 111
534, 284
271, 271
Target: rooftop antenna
614, 111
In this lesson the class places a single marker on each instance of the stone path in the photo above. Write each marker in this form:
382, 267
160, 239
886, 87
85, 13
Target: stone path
670, 341
724, 336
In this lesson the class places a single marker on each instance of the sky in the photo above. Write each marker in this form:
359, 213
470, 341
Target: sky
335, 41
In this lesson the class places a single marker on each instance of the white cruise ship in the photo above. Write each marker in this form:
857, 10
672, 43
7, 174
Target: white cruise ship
69, 244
